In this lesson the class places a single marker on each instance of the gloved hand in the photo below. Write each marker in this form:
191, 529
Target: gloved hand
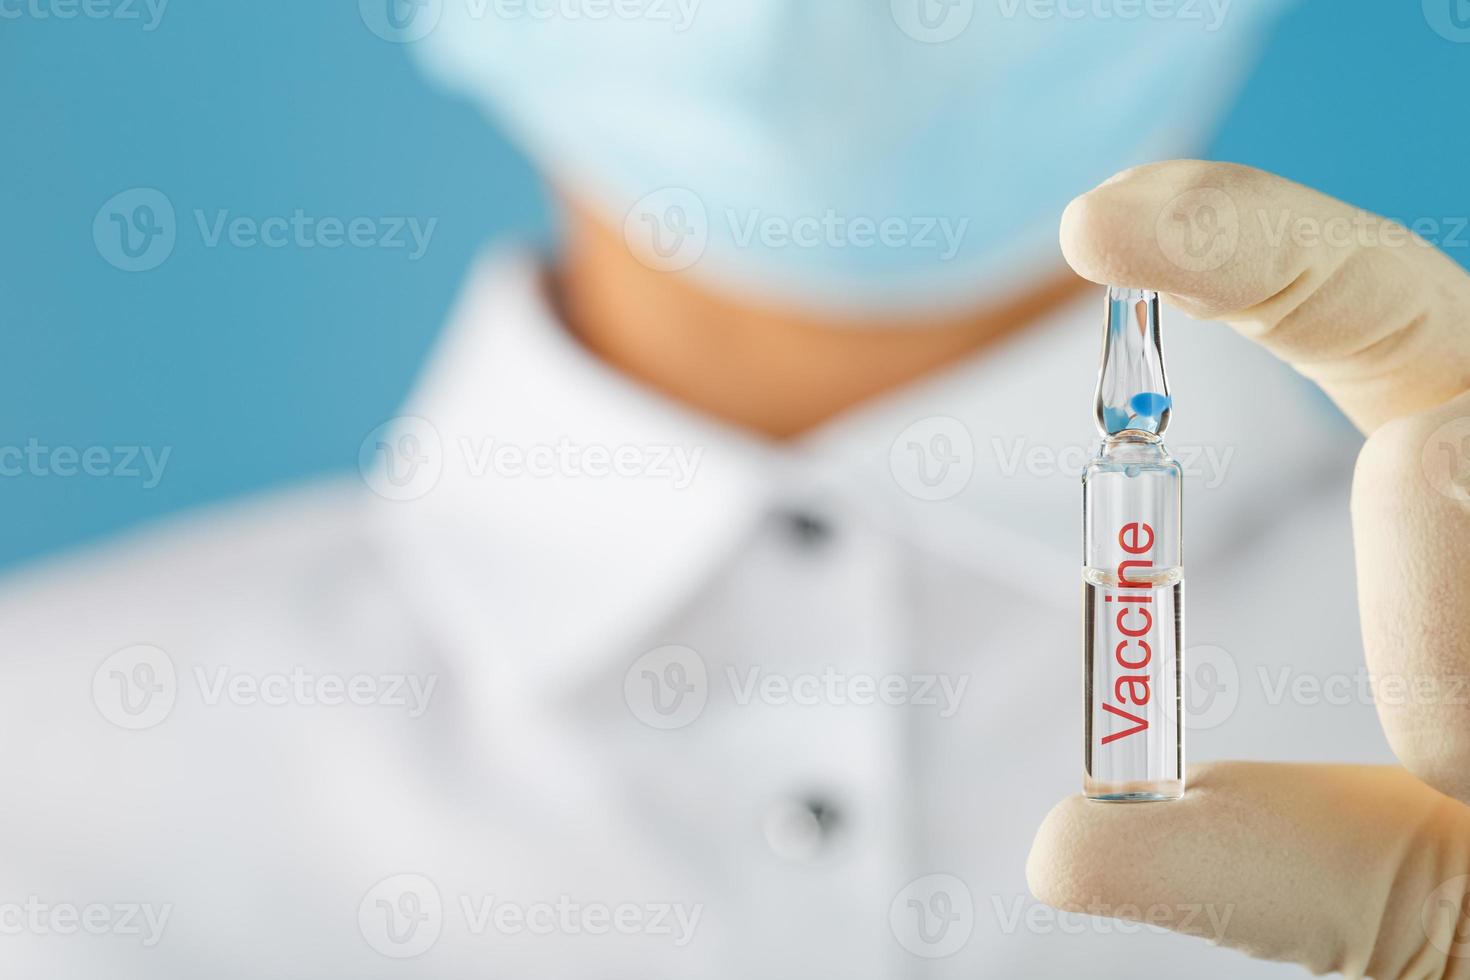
1358, 869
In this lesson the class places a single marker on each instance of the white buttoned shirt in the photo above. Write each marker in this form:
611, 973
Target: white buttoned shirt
569, 681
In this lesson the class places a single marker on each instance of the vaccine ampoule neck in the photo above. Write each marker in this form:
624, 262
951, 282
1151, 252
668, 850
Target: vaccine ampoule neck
1132, 386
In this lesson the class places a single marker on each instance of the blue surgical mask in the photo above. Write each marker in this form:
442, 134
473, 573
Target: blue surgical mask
875, 155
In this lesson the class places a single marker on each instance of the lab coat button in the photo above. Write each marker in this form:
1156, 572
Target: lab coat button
800, 829
809, 530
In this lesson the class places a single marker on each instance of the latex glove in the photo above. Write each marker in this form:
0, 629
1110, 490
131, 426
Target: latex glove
1363, 870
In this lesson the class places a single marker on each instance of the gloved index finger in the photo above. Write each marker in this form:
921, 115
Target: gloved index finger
1373, 313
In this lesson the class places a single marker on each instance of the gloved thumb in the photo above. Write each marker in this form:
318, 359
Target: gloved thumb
1359, 869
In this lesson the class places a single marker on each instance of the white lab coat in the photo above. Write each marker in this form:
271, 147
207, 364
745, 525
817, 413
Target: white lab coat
771, 714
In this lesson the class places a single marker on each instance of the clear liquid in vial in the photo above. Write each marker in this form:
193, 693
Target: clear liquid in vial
1133, 633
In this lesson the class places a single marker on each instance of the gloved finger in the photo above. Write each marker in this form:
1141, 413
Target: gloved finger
1358, 869
1371, 312
1411, 530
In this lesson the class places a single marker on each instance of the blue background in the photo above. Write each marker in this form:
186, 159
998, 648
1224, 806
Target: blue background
261, 366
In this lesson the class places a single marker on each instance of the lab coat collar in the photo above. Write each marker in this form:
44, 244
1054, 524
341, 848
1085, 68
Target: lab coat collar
574, 508
577, 511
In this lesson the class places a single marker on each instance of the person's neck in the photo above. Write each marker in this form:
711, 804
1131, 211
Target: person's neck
776, 372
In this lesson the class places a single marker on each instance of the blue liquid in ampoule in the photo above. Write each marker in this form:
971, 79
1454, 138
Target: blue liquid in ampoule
1133, 392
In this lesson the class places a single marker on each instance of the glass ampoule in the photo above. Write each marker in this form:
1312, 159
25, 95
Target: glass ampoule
1132, 570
